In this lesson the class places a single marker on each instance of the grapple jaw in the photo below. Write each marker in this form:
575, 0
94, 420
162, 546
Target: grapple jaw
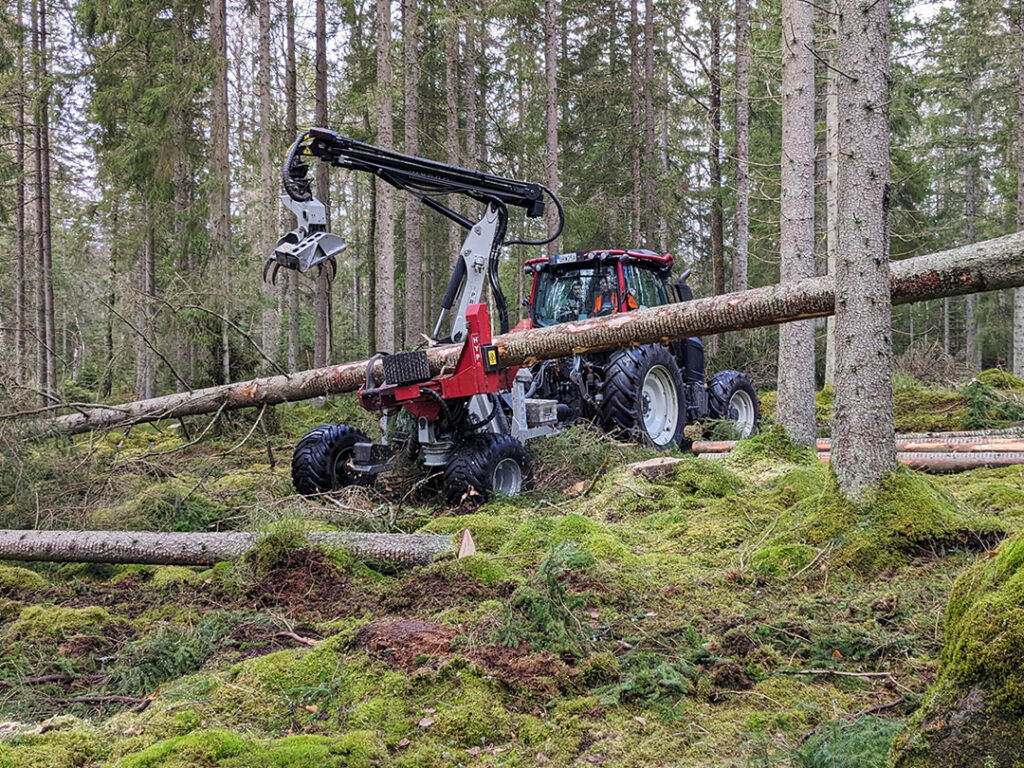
308, 245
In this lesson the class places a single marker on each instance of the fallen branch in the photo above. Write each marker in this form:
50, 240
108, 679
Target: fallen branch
985, 266
299, 639
204, 548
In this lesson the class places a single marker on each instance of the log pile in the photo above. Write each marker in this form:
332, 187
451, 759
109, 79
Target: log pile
938, 453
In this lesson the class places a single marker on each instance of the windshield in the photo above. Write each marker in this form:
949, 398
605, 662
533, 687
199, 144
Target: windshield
645, 286
563, 296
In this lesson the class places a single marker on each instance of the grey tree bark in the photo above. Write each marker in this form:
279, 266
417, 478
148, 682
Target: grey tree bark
796, 340
863, 431
415, 321
1018, 294
291, 126
649, 175
973, 351
270, 321
986, 266
635, 88
741, 214
451, 135
831, 182
147, 547
322, 302
386, 195
715, 156
551, 114
220, 176
21, 252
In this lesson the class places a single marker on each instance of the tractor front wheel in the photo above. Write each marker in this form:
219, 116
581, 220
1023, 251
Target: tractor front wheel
642, 394
487, 465
321, 461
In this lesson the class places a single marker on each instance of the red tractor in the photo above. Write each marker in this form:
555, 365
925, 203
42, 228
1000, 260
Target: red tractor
471, 424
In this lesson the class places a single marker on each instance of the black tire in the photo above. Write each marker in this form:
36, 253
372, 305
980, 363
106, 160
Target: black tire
320, 458
731, 396
624, 405
478, 469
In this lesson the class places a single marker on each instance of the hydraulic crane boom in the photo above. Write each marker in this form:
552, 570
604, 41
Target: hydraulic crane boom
311, 245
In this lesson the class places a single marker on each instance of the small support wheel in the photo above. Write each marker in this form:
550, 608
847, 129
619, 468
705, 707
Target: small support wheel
642, 394
321, 461
485, 466
732, 397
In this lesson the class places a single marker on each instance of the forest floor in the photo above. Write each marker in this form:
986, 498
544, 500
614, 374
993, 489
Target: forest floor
732, 613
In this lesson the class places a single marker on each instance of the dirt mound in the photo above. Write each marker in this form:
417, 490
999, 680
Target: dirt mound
402, 643
518, 668
424, 592
303, 581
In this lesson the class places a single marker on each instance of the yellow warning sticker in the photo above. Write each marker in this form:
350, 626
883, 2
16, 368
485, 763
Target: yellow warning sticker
492, 357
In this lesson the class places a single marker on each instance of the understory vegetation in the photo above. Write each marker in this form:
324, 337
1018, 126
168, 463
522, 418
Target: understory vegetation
729, 613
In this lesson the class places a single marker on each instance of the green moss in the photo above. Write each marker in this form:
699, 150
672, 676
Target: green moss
476, 568
66, 743
707, 479
491, 530
226, 749
57, 622
919, 408
997, 378
170, 505
994, 497
781, 559
545, 533
476, 717
14, 578
770, 446
173, 575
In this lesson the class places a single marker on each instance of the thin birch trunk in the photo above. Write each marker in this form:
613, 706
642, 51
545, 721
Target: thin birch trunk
451, 134
415, 320
291, 127
635, 89
20, 278
831, 182
220, 177
322, 302
270, 321
551, 114
650, 175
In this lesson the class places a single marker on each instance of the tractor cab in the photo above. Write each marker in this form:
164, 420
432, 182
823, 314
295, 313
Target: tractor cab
574, 286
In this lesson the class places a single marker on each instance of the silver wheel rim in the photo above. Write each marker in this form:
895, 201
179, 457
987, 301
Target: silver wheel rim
507, 478
660, 406
741, 410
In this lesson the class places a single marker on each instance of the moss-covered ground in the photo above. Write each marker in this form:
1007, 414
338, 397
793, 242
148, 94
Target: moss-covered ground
733, 613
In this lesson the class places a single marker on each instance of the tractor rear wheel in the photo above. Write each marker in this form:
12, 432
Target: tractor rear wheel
642, 393
732, 397
485, 466
320, 462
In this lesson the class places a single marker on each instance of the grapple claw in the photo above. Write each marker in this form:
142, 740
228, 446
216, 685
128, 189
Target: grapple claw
271, 261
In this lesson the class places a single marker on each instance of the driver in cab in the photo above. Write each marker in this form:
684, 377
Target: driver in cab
575, 306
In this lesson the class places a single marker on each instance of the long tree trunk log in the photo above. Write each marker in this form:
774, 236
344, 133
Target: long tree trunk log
935, 463
204, 548
942, 445
986, 266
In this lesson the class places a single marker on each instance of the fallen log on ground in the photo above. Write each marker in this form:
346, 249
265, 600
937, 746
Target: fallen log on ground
147, 547
936, 463
939, 445
985, 266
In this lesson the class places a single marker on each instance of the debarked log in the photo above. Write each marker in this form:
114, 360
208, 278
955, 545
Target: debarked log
985, 266
940, 445
932, 462
147, 547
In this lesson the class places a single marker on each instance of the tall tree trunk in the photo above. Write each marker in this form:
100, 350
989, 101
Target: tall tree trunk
146, 289
44, 116
831, 182
220, 177
1018, 294
291, 126
20, 253
741, 216
863, 429
108, 336
451, 133
551, 114
386, 195
973, 351
635, 89
796, 234
415, 320
650, 213
715, 163
322, 303
270, 321
371, 256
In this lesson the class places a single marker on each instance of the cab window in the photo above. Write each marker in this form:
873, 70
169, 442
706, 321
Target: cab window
647, 288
